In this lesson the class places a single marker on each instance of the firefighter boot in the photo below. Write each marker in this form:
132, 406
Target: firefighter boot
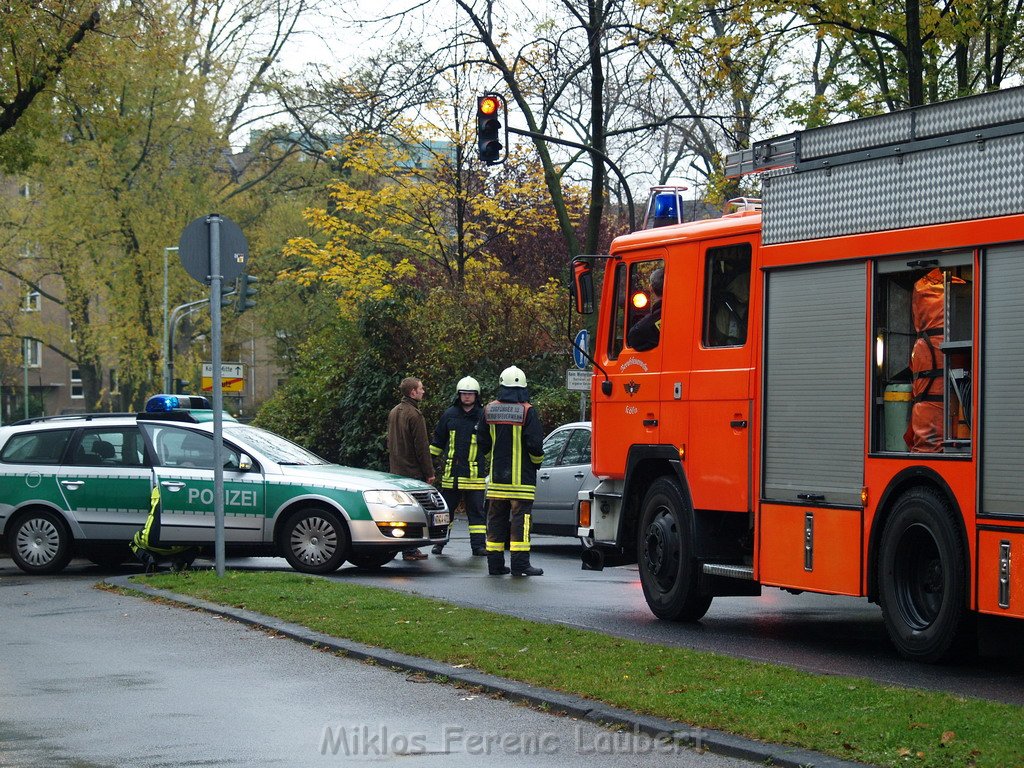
521, 565
496, 564
478, 543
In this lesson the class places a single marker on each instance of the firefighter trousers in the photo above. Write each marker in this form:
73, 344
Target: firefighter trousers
473, 502
508, 520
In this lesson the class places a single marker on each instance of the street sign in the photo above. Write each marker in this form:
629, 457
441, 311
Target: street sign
581, 345
194, 249
232, 377
577, 380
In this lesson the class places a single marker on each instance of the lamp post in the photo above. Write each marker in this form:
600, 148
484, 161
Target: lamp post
24, 359
166, 355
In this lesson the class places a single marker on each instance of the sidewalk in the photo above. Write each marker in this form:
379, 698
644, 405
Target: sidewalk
716, 742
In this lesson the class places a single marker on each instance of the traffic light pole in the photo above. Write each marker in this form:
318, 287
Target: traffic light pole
594, 152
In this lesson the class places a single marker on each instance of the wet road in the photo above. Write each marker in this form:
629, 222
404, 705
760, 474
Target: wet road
91, 679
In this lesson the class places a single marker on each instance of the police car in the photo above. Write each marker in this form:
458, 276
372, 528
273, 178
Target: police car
81, 485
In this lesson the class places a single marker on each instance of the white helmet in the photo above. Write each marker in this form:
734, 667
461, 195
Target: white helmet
467, 384
512, 377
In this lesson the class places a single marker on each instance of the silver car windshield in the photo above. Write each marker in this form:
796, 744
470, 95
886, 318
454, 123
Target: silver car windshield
274, 447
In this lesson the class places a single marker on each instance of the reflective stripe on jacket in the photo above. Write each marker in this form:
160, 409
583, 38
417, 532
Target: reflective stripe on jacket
455, 441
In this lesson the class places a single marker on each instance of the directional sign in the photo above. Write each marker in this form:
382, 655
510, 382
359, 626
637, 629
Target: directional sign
232, 377
578, 381
194, 249
581, 345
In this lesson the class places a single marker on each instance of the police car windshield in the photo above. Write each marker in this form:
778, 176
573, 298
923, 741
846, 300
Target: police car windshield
274, 447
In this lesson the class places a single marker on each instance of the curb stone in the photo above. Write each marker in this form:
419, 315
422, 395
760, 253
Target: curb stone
716, 742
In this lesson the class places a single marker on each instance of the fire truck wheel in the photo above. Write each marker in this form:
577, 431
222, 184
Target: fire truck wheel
668, 568
923, 579
314, 541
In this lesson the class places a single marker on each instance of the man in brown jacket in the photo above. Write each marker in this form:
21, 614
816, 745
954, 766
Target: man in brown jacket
408, 445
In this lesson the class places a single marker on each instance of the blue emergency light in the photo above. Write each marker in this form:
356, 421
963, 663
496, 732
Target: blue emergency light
665, 207
168, 403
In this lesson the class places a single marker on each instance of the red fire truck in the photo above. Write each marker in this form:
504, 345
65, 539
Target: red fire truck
834, 401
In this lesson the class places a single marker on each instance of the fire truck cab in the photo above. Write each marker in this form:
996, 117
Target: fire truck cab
832, 400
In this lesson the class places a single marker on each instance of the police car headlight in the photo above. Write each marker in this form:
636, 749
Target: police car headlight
389, 499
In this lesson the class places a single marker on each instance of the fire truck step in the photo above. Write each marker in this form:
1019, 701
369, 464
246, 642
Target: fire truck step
731, 571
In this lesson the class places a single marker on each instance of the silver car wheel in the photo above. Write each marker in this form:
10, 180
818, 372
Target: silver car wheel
314, 540
38, 541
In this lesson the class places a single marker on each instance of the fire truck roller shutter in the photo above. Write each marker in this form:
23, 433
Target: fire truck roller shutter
1002, 357
814, 399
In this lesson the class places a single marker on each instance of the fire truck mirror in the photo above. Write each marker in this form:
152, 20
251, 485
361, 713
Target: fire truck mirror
583, 288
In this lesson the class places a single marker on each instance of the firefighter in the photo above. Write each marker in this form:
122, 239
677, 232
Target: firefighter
146, 543
510, 431
463, 471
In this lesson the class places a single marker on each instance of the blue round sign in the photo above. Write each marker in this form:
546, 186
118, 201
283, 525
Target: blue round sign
581, 345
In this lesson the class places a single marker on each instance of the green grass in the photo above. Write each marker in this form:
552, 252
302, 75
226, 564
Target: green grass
848, 717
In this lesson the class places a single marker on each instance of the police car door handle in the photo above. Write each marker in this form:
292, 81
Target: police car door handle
579, 475
172, 485
72, 485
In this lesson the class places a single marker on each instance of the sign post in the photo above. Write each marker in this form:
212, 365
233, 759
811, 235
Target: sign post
213, 249
580, 350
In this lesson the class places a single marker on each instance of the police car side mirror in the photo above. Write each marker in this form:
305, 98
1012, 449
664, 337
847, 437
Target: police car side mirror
244, 463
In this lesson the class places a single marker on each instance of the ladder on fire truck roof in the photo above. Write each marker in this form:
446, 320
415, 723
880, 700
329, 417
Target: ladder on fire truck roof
973, 119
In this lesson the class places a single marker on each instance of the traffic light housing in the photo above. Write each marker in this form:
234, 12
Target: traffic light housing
246, 291
227, 294
490, 127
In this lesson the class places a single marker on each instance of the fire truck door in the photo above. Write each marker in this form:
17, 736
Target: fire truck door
718, 457
632, 359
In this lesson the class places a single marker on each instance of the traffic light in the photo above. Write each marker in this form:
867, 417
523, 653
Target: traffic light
490, 119
246, 290
227, 294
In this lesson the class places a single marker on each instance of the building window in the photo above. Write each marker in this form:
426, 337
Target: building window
33, 351
32, 302
77, 391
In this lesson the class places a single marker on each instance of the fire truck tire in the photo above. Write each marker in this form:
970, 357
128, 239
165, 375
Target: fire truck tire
923, 579
668, 567
315, 540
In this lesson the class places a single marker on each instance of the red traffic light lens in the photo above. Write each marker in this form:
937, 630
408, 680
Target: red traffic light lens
489, 105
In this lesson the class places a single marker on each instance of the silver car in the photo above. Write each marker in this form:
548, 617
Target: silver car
565, 472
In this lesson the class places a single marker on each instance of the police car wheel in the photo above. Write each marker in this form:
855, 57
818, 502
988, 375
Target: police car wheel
40, 542
371, 560
315, 541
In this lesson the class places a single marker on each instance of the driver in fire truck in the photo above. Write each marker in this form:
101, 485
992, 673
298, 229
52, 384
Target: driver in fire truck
646, 332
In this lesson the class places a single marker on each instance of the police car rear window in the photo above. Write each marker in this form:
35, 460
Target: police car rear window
36, 447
